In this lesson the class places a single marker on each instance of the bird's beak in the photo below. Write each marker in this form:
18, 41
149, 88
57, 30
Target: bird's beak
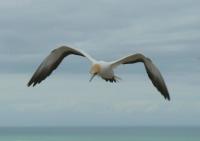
92, 77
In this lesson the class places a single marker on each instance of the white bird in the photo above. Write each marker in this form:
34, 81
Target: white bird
100, 68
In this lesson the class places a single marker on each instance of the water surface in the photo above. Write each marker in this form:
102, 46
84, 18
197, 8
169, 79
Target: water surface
100, 134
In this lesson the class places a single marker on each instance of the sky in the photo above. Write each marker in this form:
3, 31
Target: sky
168, 32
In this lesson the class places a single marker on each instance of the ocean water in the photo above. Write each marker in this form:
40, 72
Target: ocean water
100, 134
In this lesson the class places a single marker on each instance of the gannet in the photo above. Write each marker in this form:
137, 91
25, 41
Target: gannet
99, 68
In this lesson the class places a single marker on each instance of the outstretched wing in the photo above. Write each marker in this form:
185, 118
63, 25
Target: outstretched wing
52, 61
152, 71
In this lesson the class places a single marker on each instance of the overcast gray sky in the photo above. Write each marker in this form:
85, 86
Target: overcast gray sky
166, 31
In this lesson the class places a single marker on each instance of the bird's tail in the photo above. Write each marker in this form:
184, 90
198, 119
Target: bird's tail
113, 79
117, 78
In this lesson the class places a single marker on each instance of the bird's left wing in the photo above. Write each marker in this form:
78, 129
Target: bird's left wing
152, 71
52, 61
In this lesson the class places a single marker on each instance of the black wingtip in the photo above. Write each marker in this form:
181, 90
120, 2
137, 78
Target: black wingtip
29, 84
34, 84
167, 97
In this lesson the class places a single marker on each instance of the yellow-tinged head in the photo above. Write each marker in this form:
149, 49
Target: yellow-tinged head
95, 69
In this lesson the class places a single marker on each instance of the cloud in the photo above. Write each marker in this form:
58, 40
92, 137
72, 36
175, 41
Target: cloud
63, 99
165, 31
31, 29
36, 27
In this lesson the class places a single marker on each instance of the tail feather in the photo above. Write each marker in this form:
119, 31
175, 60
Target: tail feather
113, 79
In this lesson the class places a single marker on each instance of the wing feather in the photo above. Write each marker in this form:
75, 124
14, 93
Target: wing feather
152, 71
51, 62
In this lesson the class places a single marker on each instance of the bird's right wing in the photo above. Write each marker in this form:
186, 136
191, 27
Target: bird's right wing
152, 71
52, 61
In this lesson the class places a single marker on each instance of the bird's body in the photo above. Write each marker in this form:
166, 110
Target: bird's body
101, 68
105, 70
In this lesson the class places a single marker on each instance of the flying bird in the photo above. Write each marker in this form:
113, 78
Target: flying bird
99, 68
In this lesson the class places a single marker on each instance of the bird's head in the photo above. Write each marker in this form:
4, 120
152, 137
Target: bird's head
95, 70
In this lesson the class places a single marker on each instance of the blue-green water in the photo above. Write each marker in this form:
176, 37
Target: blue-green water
101, 134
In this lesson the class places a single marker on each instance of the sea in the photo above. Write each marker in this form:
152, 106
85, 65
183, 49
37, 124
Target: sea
99, 133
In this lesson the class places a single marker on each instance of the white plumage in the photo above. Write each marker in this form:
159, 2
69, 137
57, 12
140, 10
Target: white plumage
101, 68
